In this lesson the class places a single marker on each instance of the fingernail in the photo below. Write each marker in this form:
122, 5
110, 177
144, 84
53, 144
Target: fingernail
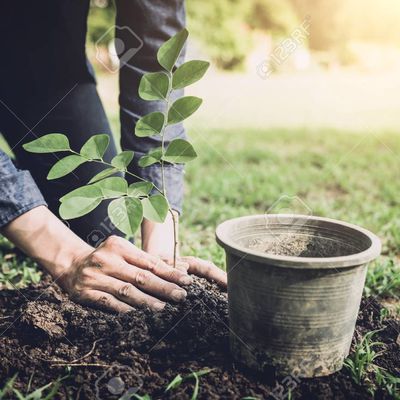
159, 306
178, 294
185, 280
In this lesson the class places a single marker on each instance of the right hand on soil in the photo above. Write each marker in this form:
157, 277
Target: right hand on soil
118, 275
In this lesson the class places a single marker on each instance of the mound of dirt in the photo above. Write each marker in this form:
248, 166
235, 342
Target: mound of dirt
44, 336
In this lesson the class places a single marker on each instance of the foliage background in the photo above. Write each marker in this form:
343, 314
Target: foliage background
225, 28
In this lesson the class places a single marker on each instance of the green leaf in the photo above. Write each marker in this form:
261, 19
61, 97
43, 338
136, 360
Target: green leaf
154, 86
196, 389
176, 382
169, 52
149, 125
113, 187
126, 213
104, 174
84, 191
151, 158
95, 147
123, 159
200, 373
19, 395
80, 201
140, 189
155, 208
183, 108
65, 166
48, 144
188, 73
179, 151
8, 387
144, 397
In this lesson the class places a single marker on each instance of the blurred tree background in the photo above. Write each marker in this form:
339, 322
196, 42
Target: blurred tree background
226, 29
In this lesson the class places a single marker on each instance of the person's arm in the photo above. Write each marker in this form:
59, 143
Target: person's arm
158, 239
117, 275
18, 191
143, 26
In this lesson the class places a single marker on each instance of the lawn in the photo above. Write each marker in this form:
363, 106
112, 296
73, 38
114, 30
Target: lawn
341, 175
345, 175
338, 173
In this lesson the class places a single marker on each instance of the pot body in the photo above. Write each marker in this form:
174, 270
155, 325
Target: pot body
299, 321
295, 314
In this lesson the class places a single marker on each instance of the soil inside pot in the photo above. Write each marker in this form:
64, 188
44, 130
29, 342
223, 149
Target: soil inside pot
298, 245
42, 332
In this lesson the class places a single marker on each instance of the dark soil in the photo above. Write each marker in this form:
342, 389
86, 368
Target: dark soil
302, 246
42, 332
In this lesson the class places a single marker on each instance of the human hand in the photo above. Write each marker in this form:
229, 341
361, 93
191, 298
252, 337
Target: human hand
202, 268
154, 238
118, 275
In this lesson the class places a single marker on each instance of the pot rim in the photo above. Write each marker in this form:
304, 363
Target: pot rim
351, 260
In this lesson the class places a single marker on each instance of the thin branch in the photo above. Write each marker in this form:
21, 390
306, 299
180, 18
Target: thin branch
81, 365
162, 132
168, 106
176, 243
69, 363
87, 354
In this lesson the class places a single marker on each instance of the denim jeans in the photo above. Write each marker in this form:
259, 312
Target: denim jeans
18, 193
47, 86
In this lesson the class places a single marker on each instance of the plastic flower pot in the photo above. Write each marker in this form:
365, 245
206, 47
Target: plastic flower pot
294, 290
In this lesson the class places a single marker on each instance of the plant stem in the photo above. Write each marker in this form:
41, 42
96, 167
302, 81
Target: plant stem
176, 243
162, 133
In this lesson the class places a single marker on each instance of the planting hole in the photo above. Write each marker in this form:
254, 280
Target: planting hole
303, 236
296, 245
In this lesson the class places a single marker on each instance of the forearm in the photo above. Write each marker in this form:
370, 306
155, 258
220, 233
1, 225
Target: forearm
110, 276
43, 237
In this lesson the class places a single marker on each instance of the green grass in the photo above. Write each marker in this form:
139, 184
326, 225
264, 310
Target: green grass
364, 371
383, 278
16, 271
352, 177
349, 176
46, 392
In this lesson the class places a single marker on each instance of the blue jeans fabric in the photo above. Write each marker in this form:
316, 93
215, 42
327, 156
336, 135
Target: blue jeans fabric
18, 193
47, 85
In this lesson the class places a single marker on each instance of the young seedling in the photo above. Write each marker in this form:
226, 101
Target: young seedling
8, 387
144, 397
364, 371
389, 382
40, 393
361, 362
383, 278
384, 313
142, 199
179, 379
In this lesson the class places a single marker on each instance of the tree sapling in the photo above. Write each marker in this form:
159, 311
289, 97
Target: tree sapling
142, 199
